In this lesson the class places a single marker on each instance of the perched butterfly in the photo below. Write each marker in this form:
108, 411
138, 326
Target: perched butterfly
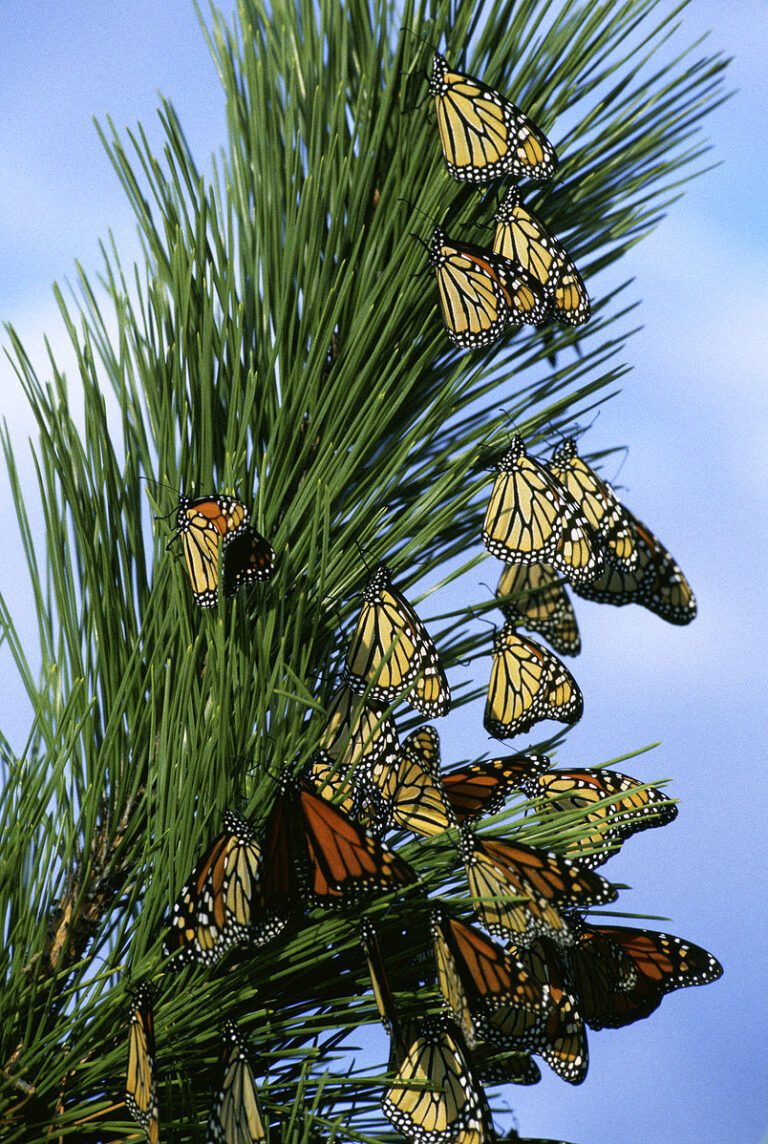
482, 788
522, 238
449, 1098
563, 1040
478, 978
519, 891
411, 788
533, 597
657, 583
480, 292
235, 1116
382, 991
620, 974
141, 1080
207, 522
222, 904
392, 650
483, 135
357, 732
620, 806
334, 783
315, 855
532, 519
604, 513
527, 684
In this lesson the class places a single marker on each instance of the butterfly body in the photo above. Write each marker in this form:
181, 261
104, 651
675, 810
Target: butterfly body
603, 512
204, 525
528, 683
540, 603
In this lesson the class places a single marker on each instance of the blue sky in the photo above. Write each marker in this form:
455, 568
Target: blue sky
695, 414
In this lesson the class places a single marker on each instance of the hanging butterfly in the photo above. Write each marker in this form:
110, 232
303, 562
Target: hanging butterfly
482, 788
449, 1099
410, 787
497, 1066
527, 684
620, 974
382, 991
482, 134
620, 807
519, 891
532, 519
315, 855
205, 523
563, 1040
392, 650
480, 982
533, 597
334, 783
523, 238
604, 513
657, 583
221, 905
357, 732
141, 1079
480, 292
235, 1116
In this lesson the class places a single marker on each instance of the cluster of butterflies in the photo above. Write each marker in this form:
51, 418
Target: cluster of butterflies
527, 276
528, 973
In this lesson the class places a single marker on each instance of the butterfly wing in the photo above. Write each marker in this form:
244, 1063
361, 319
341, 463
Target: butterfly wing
141, 1078
220, 904
527, 684
522, 237
357, 732
604, 513
202, 525
247, 558
533, 597
482, 134
235, 1116
411, 787
481, 788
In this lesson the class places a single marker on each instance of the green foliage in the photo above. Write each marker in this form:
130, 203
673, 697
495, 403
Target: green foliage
208, 368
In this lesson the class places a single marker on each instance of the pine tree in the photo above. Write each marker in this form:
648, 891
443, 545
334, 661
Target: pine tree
281, 342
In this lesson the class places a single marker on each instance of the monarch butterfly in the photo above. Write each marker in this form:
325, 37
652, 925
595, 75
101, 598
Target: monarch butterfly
496, 1066
477, 978
382, 991
527, 684
563, 1041
235, 1116
334, 783
621, 806
480, 292
519, 891
657, 583
357, 732
391, 649
221, 905
621, 974
203, 524
314, 854
522, 238
483, 135
141, 1080
448, 1100
413, 794
532, 519
481, 788
533, 597
604, 513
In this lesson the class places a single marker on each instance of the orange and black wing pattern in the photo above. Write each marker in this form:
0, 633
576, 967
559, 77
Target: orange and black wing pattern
620, 974
520, 892
533, 596
482, 788
247, 559
618, 806
410, 786
657, 583
357, 732
203, 524
391, 648
141, 1078
528, 683
599, 504
563, 1040
523, 238
480, 292
532, 519
483, 135
222, 902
